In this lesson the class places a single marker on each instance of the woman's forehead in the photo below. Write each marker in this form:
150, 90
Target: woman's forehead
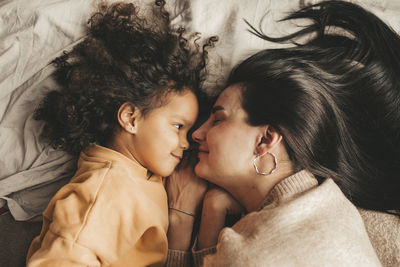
230, 98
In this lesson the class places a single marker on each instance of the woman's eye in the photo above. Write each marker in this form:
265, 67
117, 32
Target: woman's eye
178, 126
215, 121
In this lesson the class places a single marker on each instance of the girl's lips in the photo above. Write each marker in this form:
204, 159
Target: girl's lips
177, 157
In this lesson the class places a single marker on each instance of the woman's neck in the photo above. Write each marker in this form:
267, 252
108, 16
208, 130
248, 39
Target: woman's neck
253, 194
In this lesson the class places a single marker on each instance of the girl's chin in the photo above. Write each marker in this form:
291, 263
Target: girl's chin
166, 171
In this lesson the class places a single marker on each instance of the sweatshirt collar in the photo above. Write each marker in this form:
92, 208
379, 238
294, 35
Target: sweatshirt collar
289, 187
116, 158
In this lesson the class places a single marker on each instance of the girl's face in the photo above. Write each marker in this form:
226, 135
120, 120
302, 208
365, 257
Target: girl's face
161, 137
227, 142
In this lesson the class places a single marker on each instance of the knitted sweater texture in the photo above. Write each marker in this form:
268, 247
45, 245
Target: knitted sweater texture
303, 224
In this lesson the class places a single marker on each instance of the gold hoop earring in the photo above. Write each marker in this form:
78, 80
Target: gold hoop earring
265, 173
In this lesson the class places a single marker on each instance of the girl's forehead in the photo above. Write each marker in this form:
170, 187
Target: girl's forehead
182, 105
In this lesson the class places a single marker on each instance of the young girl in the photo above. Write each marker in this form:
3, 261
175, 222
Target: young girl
126, 103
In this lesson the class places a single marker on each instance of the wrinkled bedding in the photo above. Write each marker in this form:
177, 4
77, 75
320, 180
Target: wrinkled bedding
33, 33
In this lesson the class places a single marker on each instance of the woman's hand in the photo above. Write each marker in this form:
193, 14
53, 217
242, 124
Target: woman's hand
185, 192
217, 205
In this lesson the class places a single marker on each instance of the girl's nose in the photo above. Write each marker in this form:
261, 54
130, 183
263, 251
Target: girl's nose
185, 144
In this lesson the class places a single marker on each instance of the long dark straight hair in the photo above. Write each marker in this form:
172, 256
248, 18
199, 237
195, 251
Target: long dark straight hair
335, 100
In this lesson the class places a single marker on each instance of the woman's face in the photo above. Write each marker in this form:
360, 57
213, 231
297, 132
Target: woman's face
227, 143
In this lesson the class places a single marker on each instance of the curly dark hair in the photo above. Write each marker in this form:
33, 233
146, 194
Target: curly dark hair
124, 58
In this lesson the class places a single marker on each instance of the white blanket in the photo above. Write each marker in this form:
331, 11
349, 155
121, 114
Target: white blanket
34, 32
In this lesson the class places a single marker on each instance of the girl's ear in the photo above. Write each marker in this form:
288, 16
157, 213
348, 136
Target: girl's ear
127, 117
268, 141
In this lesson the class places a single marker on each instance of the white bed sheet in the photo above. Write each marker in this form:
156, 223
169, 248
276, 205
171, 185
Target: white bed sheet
32, 33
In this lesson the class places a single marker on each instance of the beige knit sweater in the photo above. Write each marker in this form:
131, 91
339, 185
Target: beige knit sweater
303, 224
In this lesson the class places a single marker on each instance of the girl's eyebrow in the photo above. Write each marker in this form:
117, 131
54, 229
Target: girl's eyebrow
184, 121
216, 108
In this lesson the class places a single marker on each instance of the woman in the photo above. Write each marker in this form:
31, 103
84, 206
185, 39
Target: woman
305, 142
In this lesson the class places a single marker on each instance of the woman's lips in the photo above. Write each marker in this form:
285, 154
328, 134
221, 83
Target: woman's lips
202, 151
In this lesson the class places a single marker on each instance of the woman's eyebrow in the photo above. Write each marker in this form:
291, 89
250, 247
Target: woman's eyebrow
216, 108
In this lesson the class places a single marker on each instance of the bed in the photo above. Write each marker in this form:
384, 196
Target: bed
33, 33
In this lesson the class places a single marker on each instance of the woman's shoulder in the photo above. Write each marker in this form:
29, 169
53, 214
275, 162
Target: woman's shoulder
323, 205
384, 232
320, 225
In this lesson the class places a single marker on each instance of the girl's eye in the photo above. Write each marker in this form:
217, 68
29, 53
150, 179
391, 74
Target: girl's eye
178, 126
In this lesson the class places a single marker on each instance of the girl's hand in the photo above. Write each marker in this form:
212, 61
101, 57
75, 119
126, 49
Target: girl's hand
217, 205
185, 192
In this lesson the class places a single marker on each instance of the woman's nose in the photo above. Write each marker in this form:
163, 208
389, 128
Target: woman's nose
198, 135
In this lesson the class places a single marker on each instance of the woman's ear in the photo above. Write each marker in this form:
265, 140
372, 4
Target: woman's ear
269, 139
127, 117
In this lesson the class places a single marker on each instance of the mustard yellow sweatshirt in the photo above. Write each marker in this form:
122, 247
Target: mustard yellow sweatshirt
111, 213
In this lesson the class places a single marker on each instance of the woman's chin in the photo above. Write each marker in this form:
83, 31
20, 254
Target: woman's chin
199, 170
